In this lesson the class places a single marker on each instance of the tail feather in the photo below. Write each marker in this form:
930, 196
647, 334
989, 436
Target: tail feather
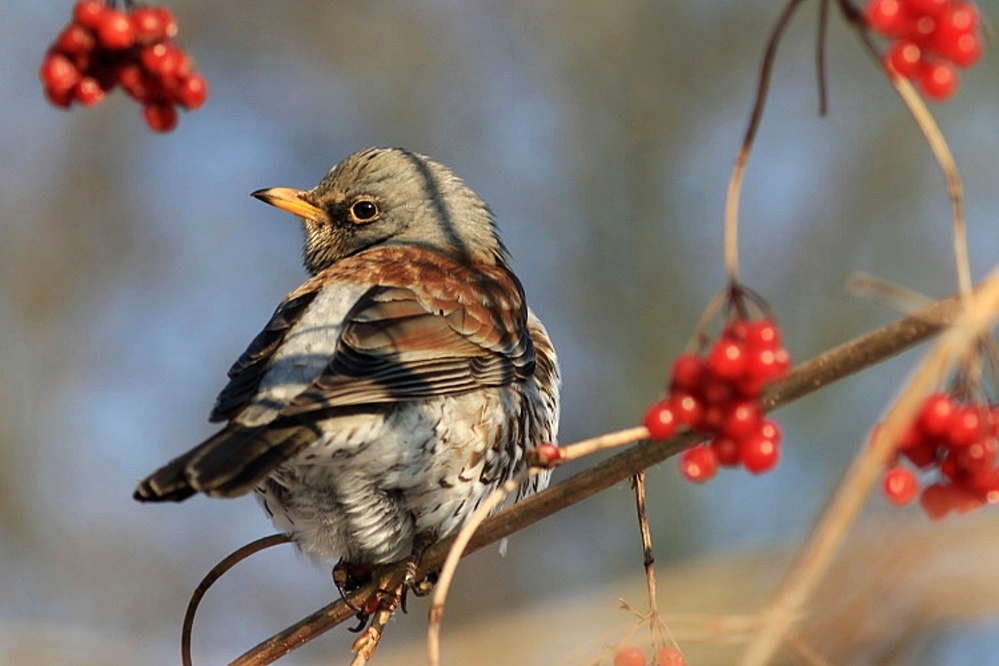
228, 464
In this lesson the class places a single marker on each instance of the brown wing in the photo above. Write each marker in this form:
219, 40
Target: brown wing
433, 327
403, 344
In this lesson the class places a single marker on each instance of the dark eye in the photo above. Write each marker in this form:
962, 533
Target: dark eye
364, 210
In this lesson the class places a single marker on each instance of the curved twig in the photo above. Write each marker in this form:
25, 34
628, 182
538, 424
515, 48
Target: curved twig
217, 572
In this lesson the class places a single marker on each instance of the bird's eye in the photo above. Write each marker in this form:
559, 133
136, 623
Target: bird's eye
364, 210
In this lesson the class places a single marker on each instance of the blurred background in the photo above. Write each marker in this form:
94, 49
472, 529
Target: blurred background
134, 268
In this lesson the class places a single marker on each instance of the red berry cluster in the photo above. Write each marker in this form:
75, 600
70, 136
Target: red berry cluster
633, 656
930, 39
718, 395
960, 442
102, 47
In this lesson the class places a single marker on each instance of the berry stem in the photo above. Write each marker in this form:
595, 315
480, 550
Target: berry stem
844, 506
454, 555
659, 630
938, 145
739, 170
941, 151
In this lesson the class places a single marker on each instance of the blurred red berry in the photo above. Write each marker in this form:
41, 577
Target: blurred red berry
900, 485
115, 31
759, 453
763, 333
905, 58
727, 359
90, 13
629, 656
58, 73
887, 17
686, 408
661, 421
160, 116
88, 91
937, 414
670, 657
688, 372
938, 81
726, 451
698, 464
193, 92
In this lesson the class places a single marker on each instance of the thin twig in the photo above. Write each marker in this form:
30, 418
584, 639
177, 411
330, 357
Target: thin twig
656, 625
219, 570
820, 56
810, 376
844, 506
938, 145
454, 555
738, 171
945, 159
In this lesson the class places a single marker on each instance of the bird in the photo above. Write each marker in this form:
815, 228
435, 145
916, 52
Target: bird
397, 387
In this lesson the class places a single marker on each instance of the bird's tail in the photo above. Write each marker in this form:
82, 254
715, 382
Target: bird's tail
229, 463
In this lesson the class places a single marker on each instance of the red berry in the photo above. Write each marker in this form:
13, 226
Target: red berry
58, 73
759, 453
935, 501
75, 40
88, 91
661, 421
727, 359
923, 454
629, 656
148, 25
962, 500
771, 430
160, 116
547, 453
687, 408
905, 58
115, 31
133, 80
90, 13
698, 464
900, 485
956, 35
726, 451
741, 419
763, 334
736, 330
63, 99
688, 372
168, 21
193, 92
979, 455
966, 426
670, 657
938, 81
887, 17
931, 7
155, 58
936, 415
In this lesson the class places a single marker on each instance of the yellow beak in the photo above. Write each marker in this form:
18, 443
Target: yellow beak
291, 200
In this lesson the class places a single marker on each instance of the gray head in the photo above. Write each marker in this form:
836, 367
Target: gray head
387, 196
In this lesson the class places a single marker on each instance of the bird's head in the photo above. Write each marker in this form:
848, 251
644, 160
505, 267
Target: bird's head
389, 196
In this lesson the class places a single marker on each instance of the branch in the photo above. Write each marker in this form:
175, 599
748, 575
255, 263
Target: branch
810, 376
